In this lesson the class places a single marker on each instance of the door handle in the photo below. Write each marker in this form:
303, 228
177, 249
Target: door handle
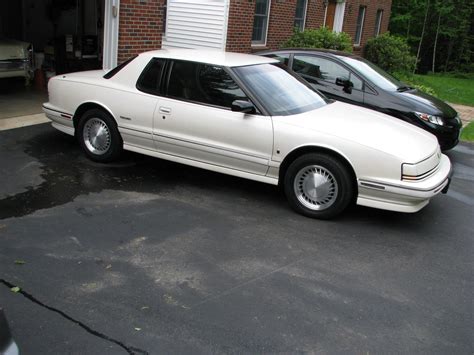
165, 109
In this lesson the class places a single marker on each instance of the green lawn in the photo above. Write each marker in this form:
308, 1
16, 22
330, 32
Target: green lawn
449, 88
467, 133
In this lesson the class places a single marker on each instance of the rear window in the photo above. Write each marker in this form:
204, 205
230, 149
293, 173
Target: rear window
150, 79
118, 68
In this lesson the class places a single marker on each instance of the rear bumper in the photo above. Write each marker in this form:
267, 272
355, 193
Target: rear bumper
405, 196
62, 121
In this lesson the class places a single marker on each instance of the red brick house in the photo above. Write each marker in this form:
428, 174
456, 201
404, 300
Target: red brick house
235, 25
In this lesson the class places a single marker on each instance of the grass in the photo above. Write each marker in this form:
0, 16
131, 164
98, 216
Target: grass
449, 88
467, 133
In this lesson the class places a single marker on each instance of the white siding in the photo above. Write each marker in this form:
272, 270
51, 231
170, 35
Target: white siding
196, 24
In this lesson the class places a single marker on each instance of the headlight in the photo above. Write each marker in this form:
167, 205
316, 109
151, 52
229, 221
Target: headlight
430, 118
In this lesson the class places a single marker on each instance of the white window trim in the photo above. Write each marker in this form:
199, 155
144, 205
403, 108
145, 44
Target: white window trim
111, 27
254, 44
357, 44
339, 17
379, 24
325, 15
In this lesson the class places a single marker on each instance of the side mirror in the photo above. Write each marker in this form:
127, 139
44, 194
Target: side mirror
345, 83
243, 106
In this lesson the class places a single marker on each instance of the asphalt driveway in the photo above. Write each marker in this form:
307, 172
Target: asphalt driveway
148, 256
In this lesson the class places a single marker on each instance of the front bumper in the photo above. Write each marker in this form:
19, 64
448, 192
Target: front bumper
15, 68
402, 196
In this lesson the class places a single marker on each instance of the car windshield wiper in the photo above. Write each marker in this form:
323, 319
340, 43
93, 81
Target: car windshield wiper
404, 88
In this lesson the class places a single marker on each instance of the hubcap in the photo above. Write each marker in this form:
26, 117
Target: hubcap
96, 136
315, 187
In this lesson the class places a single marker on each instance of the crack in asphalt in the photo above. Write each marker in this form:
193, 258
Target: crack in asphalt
129, 349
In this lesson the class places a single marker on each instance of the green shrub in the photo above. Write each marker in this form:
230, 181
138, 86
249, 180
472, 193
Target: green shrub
320, 38
390, 53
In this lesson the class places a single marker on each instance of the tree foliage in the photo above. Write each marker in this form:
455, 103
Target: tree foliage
320, 38
447, 43
391, 53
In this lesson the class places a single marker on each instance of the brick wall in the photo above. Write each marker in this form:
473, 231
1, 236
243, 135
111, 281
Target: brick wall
141, 23
282, 12
140, 27
240, 25
368, 30
314, 14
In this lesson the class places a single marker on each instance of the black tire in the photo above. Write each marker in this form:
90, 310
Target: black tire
104, 147
335, 191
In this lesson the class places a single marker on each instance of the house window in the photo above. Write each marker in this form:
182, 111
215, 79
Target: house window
300, 14
360, 25
260, 22
378, 22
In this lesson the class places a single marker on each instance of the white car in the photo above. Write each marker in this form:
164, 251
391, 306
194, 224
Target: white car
16, 59
244, 115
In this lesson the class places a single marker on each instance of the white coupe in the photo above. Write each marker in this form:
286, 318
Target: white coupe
244, 115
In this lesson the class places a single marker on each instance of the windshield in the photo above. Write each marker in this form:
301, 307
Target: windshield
373, 73
280, 92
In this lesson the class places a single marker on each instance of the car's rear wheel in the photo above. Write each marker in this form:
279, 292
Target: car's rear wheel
99, 136
318, 186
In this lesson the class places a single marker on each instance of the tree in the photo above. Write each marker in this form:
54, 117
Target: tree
440, 32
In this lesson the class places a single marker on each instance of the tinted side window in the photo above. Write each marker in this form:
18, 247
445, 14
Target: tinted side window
312, 68
203, 83
150, 79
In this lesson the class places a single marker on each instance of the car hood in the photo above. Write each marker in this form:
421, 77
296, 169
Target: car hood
12, 49
426, 103
368, 128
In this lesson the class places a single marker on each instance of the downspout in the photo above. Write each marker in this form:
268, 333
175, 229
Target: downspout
111, 33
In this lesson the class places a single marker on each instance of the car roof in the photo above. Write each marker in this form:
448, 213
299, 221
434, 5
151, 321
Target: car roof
312, 50
210, 56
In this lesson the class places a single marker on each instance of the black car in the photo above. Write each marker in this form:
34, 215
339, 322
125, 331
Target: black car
350, 78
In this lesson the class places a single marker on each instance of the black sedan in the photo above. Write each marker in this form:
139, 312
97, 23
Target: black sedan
350, 78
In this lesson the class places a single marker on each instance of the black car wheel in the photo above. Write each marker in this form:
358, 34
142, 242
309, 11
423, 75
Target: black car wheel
318, 186
99, 136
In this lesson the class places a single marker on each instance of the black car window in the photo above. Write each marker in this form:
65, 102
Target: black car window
149, 80
203, 83
282, 57
313, 68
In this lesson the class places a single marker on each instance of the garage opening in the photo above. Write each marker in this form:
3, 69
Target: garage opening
43, 38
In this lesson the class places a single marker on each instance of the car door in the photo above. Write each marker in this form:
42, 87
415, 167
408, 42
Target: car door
329, 77
195, 121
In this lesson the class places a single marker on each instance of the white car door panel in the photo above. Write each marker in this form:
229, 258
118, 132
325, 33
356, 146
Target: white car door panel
213, 135
134, 120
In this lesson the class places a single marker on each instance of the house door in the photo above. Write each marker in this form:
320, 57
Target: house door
330, 14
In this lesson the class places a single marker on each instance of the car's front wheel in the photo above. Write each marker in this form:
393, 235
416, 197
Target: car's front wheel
99, 136
318, 186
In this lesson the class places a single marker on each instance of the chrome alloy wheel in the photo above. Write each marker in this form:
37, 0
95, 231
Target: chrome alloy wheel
97, 137
315, 187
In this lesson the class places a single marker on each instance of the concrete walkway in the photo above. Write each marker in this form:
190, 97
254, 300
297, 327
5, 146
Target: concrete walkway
465, 112
22, 121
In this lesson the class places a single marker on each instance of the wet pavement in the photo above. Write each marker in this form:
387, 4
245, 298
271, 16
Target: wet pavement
148, 256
